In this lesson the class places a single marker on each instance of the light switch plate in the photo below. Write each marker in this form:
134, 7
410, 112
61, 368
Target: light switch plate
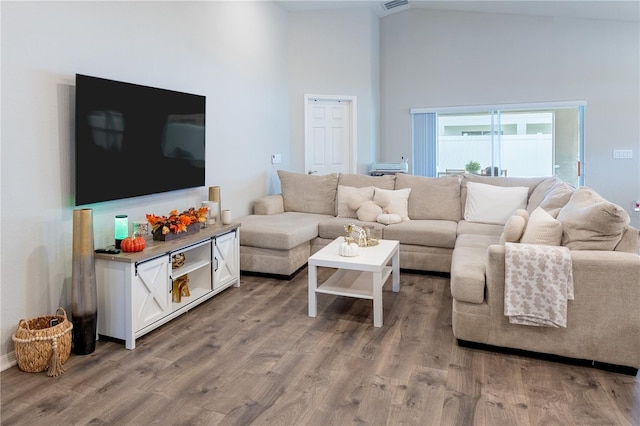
622, 153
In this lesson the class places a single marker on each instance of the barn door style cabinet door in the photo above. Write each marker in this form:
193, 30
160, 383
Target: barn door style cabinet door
226, 260
139, 292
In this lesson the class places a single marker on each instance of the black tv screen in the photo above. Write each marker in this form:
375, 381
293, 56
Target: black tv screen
136, 140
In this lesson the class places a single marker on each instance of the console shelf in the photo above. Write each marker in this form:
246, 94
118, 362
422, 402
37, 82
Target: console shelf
135, 289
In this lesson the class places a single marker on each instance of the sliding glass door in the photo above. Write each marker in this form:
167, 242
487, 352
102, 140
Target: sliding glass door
524, 141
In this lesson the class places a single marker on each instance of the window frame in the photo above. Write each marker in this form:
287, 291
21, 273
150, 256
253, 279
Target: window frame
428, 152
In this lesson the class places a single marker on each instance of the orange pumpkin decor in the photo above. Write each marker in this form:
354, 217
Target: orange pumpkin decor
133, 244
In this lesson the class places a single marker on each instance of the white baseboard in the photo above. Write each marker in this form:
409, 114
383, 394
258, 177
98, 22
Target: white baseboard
8, 361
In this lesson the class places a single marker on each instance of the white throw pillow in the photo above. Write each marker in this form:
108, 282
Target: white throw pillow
344, 192
513, 229
493, 204
542, 229
393, 202
388, 219
369, 211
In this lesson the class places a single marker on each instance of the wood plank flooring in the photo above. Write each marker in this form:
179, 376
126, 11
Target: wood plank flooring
252, 356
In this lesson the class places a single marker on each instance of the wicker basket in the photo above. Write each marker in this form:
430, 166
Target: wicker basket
39, 346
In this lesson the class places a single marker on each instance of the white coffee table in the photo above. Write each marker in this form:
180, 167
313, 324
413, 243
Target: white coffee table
360, 276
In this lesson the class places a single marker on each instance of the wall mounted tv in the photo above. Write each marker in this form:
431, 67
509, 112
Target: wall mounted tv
136, 140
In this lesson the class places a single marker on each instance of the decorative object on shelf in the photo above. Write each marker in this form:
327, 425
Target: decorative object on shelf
133, 244
348, 248
180, 288
43, 343
177, 260
121, 228
175, 225
226, 217
84, 299
472, 167
212, 209
214, 195
360, 236
141, 229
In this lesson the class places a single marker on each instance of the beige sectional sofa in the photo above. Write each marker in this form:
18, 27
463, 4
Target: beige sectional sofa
451, 228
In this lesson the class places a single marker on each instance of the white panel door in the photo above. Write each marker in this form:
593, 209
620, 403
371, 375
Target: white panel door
329, 130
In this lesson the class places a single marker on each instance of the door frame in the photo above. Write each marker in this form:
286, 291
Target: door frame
352, 101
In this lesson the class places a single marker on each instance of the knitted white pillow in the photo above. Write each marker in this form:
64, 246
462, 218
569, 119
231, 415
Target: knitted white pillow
542, 229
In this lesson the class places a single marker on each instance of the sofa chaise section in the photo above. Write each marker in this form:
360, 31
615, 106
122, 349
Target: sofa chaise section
603, 321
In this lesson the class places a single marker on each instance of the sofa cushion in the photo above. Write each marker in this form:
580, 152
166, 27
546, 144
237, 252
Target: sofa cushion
465, 227
269, 204
557, 197
309, 193
542, 229
433, 233
282, 231
468, 267
590, 222
432, 198
493, 204
344, 193
540, 192
552, 193
333, 228
352, 179
393, 201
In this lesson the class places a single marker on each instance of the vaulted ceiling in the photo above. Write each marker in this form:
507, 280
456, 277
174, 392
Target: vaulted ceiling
626, 10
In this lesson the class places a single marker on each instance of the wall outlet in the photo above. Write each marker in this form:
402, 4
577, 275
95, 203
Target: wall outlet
622, 153
276, 158
636, 206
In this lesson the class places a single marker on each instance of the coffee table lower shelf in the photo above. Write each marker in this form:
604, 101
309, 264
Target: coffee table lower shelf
345, 282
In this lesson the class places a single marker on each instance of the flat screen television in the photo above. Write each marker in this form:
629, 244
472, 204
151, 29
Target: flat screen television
134, 140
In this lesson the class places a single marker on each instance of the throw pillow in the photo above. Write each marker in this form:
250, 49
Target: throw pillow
308, 193
523, 213
388, 219
513, 230
590, 222
542, 229
344, 192
394, 202
369, 211
493, 204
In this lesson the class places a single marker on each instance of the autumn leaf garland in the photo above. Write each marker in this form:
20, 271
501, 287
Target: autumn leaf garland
177, 222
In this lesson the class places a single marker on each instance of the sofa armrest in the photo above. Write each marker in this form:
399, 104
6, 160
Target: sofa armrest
603, 319
269, 204
592, 269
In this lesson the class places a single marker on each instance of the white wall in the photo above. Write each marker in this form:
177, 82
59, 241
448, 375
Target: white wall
232, 52
436, 58
335, 52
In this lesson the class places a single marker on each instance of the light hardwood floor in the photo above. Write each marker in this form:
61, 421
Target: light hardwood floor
251, 355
